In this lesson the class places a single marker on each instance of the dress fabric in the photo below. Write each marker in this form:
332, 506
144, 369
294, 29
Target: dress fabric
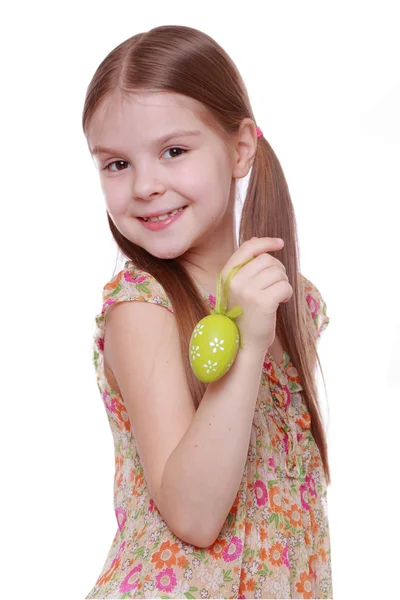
275, 541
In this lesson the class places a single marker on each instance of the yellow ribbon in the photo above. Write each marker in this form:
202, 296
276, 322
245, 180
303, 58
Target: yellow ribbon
222, 296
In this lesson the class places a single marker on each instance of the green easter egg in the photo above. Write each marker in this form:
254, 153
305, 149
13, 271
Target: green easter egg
213, 347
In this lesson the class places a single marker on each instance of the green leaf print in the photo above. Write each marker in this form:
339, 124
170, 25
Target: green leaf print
187, 595
230, 520
143, 287
139, 552
116, 291
227, 574
274, 517
265, 570
249, 552
272, 482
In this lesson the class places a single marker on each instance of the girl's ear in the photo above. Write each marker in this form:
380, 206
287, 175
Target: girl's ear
244, 149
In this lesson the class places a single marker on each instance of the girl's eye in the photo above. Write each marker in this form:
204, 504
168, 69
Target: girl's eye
116, 162
175, 148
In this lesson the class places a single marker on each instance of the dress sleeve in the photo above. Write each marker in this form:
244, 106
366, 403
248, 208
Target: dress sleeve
132, 284
317, 306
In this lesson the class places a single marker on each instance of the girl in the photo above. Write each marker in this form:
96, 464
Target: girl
220, 489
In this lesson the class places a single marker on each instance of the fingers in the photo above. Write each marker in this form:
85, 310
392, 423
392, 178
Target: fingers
251, 249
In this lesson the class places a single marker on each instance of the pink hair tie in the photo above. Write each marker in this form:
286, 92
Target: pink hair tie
259, 132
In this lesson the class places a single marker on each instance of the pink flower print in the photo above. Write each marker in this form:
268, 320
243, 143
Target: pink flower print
285, 559
128, 586
107, 303
151, 505
287, 392
100, 344
312, 488
238, 547
303, 489
120, 549
108, 401
128, 277
313, 304
271, 463
121, 517
261, 493
166, 580
286, 443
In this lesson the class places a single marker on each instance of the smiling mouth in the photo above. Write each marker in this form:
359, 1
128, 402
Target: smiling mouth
163, 217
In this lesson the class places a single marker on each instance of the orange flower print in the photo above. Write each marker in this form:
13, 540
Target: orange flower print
121, 413
304, 585
182, 562
263, 534
248, 526
166, 556
304, 420
218, 547
114, 282
294, 515
312, 564
262, 555
109, 573
275, 554
322, 554
275, 499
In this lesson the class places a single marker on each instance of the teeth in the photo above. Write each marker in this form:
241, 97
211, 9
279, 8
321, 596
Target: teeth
165, 216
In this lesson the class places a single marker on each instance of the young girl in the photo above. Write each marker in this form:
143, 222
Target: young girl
220, 489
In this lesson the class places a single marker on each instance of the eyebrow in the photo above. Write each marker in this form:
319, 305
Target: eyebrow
161, 140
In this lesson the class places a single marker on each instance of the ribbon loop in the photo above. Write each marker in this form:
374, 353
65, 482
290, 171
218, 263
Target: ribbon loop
222, 295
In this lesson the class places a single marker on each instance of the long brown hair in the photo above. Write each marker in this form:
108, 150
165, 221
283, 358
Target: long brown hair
187, 61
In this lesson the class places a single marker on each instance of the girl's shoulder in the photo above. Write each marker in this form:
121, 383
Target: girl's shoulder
131, 283
316, 305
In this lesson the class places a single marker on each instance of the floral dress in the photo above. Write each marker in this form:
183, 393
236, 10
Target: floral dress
275, 541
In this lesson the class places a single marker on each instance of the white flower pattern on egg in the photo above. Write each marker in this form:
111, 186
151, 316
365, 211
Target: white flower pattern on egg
210, 367
218, 344
197, 330
195, 352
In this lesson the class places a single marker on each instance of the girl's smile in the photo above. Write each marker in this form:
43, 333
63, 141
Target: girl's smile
164, 222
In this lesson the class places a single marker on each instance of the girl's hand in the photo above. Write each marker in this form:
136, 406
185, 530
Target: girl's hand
258, 288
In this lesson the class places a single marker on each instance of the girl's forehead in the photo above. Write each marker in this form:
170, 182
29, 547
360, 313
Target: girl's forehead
152, 103
156, 111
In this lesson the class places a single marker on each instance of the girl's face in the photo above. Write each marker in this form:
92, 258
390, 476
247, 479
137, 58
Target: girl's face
140, 174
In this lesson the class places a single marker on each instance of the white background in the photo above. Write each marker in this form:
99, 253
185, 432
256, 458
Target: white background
324, 82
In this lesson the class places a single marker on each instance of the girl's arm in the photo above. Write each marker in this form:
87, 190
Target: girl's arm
193, 461
203, 473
